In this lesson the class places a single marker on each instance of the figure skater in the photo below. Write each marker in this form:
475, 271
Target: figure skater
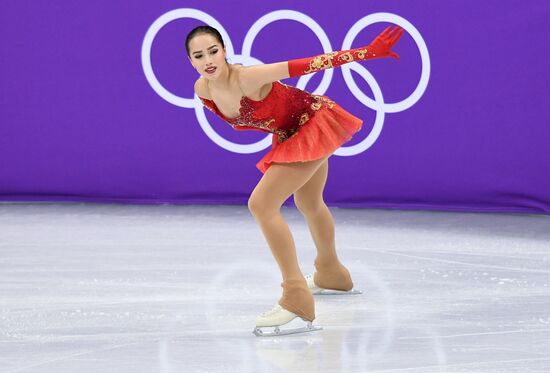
306, 129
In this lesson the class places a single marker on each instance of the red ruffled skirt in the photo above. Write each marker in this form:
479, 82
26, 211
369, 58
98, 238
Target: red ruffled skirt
320, 136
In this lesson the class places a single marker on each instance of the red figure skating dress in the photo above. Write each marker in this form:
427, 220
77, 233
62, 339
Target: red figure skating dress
305, 126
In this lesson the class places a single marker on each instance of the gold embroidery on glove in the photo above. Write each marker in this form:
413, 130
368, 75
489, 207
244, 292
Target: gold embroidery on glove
321, 62
361, 53
346, 57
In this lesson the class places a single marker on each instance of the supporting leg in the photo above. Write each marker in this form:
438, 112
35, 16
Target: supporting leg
278, 183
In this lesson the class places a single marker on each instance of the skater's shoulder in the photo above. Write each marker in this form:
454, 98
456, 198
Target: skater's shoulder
201, 88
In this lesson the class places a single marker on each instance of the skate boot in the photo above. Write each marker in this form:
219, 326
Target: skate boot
294, 313
330, 280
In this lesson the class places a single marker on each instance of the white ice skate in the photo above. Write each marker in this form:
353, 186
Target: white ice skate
280, 321
316, 290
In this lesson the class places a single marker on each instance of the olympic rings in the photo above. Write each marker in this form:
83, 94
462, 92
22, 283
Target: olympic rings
245, 57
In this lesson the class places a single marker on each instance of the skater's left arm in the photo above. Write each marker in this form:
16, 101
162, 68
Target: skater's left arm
258, 75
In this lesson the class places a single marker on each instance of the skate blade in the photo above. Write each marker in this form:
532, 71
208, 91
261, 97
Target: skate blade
275, 331
320, 291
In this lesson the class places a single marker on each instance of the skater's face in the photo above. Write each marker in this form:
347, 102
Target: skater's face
207, 55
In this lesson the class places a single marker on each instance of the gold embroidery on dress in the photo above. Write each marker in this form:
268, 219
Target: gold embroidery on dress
283, 135
316, 105
304, 118
302, 113
260, 124
319, 100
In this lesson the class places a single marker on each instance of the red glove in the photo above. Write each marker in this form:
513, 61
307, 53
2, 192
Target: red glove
379, 48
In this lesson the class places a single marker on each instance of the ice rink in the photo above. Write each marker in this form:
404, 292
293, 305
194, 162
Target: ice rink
137, 288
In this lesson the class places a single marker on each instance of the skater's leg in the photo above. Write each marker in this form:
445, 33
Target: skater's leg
330, 274
309, 200
279, 182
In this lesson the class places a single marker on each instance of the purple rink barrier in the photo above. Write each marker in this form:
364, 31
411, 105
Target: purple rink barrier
97, 102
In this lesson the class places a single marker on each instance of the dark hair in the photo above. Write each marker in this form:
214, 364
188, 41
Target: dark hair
204, 29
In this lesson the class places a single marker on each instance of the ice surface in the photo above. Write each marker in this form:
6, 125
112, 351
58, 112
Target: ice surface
129, 288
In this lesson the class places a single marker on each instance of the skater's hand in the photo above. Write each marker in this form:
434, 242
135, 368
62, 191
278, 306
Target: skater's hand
382, 44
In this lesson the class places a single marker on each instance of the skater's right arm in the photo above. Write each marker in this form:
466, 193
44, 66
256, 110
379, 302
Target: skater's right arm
201, 89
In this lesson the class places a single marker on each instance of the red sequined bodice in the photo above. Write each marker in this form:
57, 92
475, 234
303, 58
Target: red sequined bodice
282, 112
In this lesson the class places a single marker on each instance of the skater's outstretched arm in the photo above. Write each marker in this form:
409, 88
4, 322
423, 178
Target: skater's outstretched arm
380, 47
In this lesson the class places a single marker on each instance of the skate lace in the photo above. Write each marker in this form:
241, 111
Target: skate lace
275, 309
